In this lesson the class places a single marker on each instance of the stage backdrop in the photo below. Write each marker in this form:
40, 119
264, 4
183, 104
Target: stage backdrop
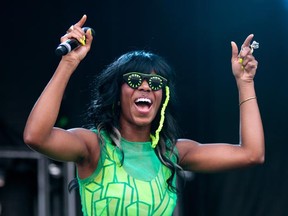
194, 36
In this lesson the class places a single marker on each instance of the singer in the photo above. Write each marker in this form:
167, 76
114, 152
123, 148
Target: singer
128, 156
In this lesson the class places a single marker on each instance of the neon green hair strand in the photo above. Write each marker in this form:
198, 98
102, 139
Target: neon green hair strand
155, 139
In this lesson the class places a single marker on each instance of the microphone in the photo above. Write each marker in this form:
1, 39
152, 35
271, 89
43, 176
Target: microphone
70, 44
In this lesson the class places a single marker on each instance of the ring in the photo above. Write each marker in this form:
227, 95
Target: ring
254, 45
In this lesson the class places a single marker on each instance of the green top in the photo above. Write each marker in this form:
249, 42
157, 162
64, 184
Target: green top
138, 188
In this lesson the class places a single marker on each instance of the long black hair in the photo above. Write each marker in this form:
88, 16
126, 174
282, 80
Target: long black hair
104, 113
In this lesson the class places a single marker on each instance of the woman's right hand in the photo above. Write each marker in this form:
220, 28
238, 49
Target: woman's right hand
85, 39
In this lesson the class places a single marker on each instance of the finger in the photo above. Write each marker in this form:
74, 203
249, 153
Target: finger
78, 25
81, 22
76, 33
248, 40
234, 50
248, 58
70, 29
235, 55
245, 48
244, 52
251, 66
89, 36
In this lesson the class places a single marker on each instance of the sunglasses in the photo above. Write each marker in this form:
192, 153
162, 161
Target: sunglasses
135, 79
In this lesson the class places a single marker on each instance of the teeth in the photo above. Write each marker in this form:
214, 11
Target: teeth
146, 100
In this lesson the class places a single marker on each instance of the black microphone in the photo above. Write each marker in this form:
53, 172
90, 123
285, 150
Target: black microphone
70, 44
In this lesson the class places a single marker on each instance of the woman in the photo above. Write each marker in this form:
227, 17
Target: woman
127, 161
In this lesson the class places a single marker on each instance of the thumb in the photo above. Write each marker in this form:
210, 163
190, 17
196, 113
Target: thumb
234, 51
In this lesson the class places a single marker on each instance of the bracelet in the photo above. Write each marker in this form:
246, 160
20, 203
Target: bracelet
250, 98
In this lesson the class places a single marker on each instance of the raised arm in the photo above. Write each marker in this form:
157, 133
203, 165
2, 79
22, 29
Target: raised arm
40, 133
250, 150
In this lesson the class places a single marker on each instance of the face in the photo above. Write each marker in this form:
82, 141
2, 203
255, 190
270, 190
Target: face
139, 105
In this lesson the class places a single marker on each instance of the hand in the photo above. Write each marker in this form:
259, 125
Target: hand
244, 64
85, 39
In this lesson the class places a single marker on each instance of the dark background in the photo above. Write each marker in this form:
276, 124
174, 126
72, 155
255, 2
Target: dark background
194, 36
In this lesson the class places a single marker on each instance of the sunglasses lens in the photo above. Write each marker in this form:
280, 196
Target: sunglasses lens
134, 80
155, 83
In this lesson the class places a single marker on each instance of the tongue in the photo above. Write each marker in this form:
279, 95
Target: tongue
143, 107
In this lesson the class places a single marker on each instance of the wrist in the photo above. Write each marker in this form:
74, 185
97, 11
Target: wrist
69, 64
247, 99
246, 90
72, 62
245, 83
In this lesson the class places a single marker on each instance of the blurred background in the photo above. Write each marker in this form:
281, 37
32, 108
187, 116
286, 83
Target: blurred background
194, 36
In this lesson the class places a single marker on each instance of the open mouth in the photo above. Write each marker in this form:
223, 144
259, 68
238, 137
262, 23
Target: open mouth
143, 104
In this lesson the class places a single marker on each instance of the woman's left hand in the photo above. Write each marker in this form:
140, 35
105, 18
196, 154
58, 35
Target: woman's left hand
244, 64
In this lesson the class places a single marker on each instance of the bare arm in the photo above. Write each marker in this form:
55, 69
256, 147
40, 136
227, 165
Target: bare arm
40, 133
250, 150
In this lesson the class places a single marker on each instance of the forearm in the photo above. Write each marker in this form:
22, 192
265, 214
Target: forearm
251, 128
45, 111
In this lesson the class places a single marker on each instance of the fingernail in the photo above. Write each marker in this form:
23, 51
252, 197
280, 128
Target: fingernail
82, 41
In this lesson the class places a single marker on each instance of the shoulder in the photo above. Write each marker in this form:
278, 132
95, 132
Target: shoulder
87, 136
186, 144
83, 133
185, 147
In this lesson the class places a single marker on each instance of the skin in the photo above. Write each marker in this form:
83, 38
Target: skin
81, 145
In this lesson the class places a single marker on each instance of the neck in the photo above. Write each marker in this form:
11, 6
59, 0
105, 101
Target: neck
135, 133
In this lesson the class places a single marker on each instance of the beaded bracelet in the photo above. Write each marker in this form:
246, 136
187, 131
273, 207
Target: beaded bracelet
250, 98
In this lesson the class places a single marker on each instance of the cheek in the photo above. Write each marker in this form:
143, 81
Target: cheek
126, 93
158, 96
